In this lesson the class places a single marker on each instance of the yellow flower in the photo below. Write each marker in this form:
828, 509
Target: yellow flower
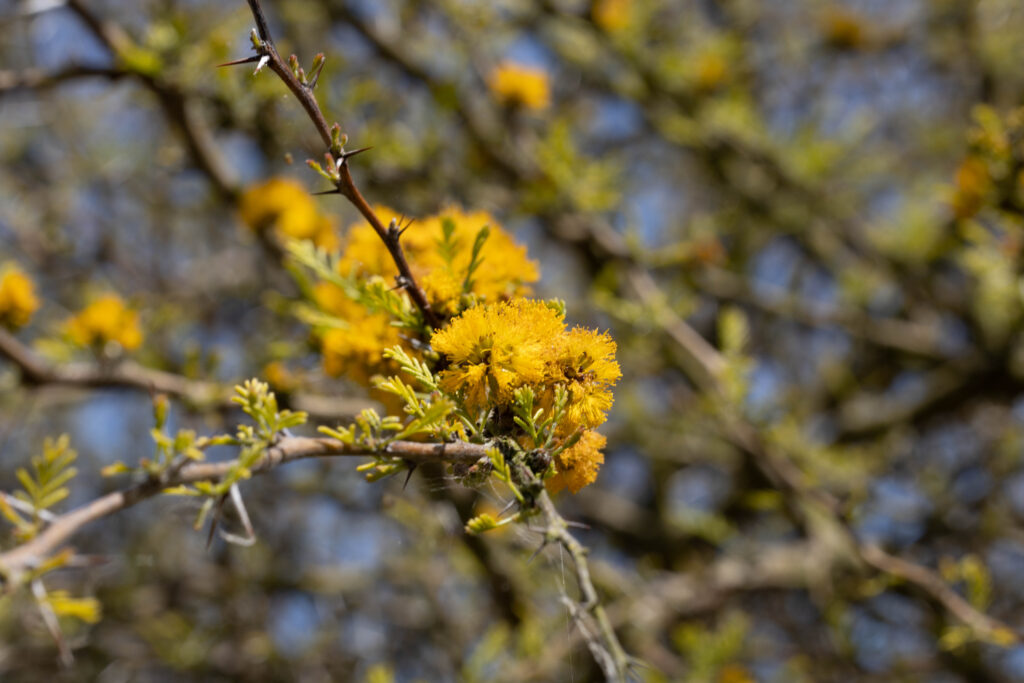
586, 366
505, 270
105, 320
972, 184
496, 349
611, 15
843, 30
517, 84
578, 466
284, 205
279, 377
17, 297
356, 350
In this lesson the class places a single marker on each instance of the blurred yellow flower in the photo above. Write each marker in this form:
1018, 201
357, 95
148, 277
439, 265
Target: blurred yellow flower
517, 84
283, 205
18, 299
105, 320
355, 351
971, 185
612, 15
710, 70
279, 377
843, 30
578, 466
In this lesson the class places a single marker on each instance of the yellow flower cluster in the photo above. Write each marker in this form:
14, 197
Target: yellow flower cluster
17, 297
517, 84
440, 267
284, 206
355, 350
493, 350
105, 320
506, 270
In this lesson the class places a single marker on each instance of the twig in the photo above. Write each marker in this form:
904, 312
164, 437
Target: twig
933, 584
343, 181
15, 562
127, 374
605, 647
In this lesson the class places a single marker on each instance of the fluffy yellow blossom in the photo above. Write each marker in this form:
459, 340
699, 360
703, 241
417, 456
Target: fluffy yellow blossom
284, 205
505, 270
585, 364
517, 84
105, 320
578, 466
17, 297
498, 348
356, 350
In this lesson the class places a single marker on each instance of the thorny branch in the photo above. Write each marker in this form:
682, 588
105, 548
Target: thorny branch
14, 563
341, 174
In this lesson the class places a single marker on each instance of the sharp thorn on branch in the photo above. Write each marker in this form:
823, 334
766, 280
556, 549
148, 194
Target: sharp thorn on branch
334, 191
347, 155
538, 551
412, 468
244, 60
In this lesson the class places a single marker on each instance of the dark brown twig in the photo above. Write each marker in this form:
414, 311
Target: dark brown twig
341, 174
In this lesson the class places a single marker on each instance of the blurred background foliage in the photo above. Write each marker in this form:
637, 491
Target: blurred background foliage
802, 222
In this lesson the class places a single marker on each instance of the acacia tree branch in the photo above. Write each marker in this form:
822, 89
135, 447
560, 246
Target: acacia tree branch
15, 562
604, 645
342, 177
126, 374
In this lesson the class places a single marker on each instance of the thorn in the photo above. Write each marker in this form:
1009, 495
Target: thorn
345, 155
216, 517
577, 525
334, 191
412, 468
511, 504
538, 551
244, 60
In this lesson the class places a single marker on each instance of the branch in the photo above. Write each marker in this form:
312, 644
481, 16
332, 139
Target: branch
14, 563
933, 584
604, 646
126, 374
40, 79
344, 183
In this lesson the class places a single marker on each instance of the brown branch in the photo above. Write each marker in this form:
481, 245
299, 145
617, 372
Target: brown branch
40, 79
14, 563
344, 183
931, 583
126, 374
604, 646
